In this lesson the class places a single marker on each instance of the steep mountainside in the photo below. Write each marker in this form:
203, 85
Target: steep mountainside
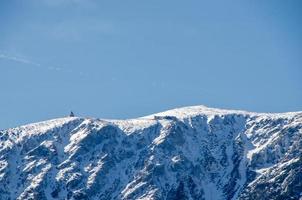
187, 153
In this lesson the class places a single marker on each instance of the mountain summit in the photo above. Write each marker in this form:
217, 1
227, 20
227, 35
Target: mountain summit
186, 153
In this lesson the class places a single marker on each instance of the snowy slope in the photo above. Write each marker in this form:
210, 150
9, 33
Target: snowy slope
186, 153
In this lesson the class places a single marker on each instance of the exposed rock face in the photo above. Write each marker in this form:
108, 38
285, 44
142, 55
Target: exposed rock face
187, 153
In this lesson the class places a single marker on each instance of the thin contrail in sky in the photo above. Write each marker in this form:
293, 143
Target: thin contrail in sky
28, 62
37, 65
18, 59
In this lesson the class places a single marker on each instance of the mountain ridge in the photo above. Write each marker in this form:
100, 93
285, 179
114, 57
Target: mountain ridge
185, 153
201, 108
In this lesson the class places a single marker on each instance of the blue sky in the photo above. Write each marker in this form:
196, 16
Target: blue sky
125, 59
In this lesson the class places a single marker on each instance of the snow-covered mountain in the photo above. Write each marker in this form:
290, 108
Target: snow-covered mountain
187, 153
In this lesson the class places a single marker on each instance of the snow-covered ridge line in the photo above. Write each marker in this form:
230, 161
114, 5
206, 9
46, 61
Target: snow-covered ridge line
46, 123
197, 110
182, 112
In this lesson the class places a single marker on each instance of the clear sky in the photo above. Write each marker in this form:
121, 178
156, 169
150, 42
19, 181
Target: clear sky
125, 59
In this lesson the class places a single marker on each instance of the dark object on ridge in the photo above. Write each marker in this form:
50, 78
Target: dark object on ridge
71, 114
